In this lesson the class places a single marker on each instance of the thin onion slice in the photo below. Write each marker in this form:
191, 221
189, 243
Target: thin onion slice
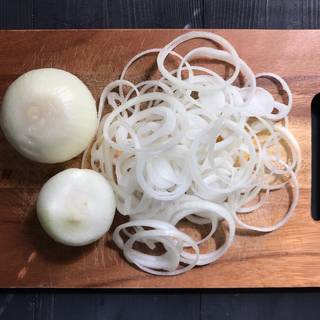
192, 144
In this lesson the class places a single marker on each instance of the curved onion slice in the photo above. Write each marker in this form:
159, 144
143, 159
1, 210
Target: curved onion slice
192, 146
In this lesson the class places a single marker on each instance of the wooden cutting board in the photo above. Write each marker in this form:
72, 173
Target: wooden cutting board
28, 258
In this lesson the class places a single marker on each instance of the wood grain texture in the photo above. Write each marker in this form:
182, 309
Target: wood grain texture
40, 14
288, 257
236, 14
270, 14
16, 14
155, 305
118, 14
261, 305
70, 14
155, 14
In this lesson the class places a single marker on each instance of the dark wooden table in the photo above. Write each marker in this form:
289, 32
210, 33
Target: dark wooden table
107, 304
274, 14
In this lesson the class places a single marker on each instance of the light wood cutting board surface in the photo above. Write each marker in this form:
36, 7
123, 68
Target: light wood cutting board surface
28, 258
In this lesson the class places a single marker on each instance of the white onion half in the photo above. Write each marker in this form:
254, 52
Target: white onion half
48, 115
76, 206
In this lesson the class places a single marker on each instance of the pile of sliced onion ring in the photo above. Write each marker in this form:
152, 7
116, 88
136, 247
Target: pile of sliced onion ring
172, 156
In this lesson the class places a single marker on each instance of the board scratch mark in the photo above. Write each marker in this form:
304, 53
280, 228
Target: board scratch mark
102, 242
32, 256
22, 273
85, 270
24, 270
142, 43
42, 49
50, 275
66, 44
96, 254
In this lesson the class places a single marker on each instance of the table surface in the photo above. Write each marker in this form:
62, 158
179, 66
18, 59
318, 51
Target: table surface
274, 14
219, 304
